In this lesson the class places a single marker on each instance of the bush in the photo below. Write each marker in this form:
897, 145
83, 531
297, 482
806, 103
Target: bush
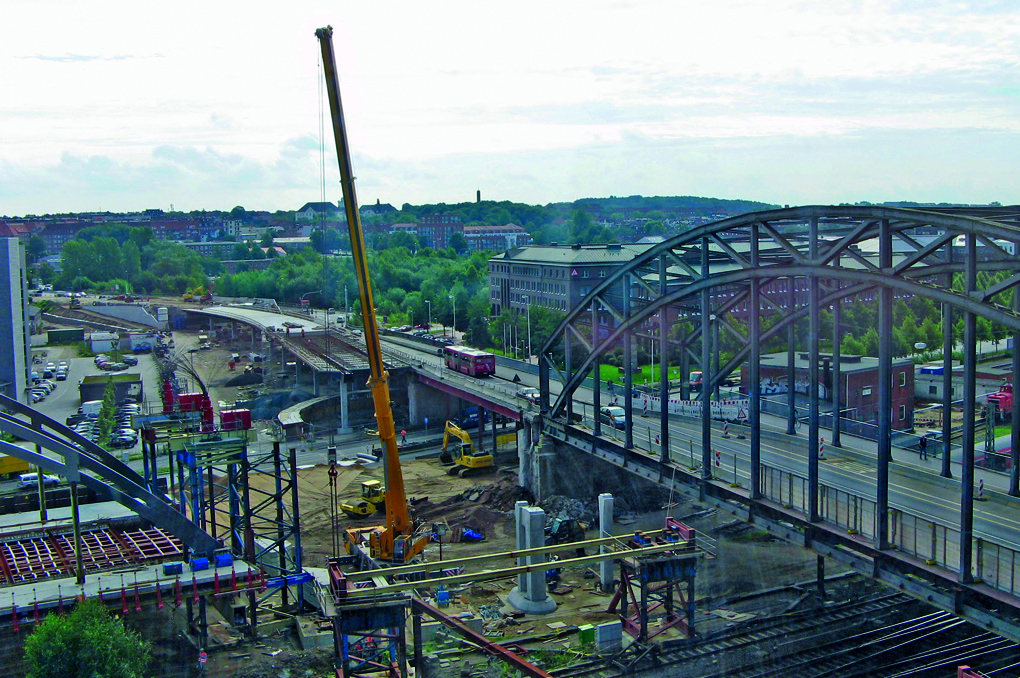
87, 642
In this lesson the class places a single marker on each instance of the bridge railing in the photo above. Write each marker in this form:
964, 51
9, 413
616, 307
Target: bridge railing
996, 563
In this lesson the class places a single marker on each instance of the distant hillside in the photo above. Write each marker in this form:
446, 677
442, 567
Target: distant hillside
688, 205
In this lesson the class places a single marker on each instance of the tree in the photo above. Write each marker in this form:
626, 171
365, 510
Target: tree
35, 249
458, 241
87, 642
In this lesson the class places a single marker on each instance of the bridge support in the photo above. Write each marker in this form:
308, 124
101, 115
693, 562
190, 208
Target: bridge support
531, 594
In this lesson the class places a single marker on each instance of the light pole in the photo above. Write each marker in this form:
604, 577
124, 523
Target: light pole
454, 300
430, 313
347, 309
527, 300
305, 296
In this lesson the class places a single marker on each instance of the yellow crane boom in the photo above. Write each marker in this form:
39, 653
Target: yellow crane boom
395, 542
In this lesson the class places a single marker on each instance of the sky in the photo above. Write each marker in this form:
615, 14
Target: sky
125, 106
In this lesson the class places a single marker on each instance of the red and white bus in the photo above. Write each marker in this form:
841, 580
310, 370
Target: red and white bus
470, 361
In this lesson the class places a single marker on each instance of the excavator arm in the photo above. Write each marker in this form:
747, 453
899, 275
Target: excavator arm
395, 542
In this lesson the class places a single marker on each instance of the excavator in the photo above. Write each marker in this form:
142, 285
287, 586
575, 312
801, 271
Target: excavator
467, 462
395, 542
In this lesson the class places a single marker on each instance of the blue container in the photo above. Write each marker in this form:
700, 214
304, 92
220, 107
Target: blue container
172, 568
224, 560
199, 564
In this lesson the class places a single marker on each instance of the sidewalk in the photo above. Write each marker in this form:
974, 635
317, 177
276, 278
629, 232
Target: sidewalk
997, 481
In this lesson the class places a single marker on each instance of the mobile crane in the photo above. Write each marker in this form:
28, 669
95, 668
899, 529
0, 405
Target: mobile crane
394, 542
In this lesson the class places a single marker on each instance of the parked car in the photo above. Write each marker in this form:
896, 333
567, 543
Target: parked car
60, 376
32, 479
129, 360
118, 367
122, 441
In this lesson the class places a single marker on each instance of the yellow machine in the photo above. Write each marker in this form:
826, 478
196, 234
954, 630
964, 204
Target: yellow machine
11, 466
467, 461
395, 542
373, 498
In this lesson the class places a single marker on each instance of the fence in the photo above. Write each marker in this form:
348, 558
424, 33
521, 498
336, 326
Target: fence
912, 534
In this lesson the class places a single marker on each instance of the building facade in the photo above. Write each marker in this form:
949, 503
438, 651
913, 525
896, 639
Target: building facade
15, 346
498, 238
552, 276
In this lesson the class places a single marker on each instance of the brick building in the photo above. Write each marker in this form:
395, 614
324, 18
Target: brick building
858, 387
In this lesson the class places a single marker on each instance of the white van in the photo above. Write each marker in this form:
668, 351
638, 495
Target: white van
91, 407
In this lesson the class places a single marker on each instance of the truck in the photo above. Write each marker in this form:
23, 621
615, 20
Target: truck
12, 466
91, 407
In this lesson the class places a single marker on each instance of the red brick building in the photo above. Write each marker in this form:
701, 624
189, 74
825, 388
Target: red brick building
858, 384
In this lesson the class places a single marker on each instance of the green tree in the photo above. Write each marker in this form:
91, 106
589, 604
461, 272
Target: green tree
458, 242
106, 412
35, 249
87, 642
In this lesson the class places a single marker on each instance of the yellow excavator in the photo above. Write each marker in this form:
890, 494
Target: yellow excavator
467, 461
373, 498
396, 541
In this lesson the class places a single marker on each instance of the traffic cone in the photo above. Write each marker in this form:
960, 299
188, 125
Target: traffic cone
981, 491
718, 458
821, 448
726, 429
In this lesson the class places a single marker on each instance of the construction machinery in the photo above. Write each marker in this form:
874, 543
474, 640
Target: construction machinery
565, 531
396, 541
372, 499
464, 458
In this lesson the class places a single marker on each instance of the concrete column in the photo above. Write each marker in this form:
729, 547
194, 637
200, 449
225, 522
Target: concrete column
606, 567
531, 595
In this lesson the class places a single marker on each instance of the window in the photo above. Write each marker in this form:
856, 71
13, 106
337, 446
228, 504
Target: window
866, 391
903, 379
933, 390
903, 412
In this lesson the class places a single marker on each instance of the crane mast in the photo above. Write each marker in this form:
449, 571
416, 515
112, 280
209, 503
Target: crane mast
395, 541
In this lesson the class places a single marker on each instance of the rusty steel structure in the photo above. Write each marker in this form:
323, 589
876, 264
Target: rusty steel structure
766, 277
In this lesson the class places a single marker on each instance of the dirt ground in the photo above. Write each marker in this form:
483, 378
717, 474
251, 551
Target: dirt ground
741, 561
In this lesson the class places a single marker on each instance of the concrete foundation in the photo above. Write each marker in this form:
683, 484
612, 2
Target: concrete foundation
606, 567
531, 595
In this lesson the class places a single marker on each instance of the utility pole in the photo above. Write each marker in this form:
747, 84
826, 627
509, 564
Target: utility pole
527, 300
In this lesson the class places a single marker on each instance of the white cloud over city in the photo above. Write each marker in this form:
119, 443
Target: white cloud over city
119, 106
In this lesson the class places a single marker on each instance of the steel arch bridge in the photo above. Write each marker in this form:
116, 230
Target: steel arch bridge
765, 277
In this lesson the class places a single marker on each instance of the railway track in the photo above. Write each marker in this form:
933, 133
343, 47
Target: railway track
757, 636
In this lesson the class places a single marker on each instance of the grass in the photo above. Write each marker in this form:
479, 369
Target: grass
644, 376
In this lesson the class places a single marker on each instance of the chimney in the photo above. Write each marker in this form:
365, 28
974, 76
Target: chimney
478, 195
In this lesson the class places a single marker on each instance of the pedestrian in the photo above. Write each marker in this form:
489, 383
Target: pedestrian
403, 437
922, 447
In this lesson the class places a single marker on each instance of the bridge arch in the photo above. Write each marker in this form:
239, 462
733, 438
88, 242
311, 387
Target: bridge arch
759, 276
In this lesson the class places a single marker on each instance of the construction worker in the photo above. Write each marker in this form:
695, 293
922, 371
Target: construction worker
922, 447
403, 437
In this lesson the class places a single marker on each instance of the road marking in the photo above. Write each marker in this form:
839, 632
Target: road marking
847, 464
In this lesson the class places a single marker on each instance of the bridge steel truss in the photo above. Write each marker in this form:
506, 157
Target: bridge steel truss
762, 277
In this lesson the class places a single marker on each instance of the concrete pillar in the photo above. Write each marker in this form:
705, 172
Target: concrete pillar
606, 567
531, 595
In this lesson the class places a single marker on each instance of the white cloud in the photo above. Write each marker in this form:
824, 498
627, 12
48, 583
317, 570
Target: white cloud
216, 104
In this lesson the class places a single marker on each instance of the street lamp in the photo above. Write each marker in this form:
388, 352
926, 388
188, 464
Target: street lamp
454, 300
305, 296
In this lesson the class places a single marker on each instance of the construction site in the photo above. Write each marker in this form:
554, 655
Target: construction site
281, 522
